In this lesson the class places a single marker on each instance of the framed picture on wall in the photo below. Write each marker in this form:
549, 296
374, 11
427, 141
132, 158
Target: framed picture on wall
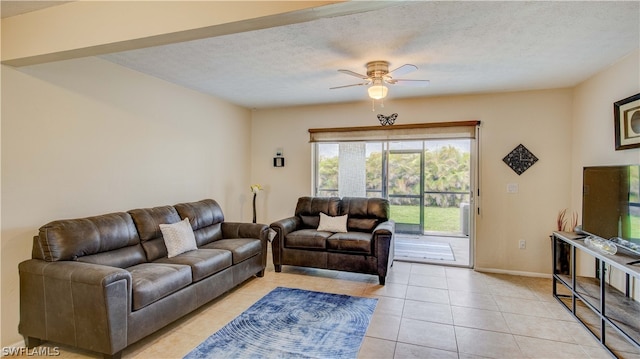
626, 117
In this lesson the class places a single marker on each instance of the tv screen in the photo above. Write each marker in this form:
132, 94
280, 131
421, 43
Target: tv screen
611, 202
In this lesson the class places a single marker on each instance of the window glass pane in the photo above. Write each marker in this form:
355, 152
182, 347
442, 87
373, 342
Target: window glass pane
374, 169
447, 166
447, 185
405, 145
327, 169
352, 180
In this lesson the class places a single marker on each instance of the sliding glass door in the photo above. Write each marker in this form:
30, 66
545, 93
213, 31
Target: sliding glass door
428, 172
405, 184
447, 187
428, 183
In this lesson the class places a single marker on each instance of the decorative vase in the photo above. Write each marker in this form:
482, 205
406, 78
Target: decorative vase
254, 206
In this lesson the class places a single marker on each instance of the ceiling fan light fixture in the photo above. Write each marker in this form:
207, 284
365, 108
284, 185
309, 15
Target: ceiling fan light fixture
378, 91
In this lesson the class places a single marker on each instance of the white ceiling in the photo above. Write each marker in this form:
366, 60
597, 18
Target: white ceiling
462, 47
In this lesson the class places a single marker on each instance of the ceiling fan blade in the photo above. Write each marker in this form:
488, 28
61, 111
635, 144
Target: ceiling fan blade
414, 83
349, 72
360, 84
404, 69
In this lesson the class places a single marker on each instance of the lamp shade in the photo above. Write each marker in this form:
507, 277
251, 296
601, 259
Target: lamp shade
378, 91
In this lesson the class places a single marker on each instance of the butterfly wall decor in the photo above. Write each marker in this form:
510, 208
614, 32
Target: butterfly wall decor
387, 120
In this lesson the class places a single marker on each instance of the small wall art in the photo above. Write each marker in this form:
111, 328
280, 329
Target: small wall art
387, 120
626, 117
520, 159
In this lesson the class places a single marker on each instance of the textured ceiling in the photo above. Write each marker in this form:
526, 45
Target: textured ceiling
461, 47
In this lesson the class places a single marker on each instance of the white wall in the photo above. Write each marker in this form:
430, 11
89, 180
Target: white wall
86, 137
540, 120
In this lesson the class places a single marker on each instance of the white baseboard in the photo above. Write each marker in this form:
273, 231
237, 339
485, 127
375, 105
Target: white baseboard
511, 272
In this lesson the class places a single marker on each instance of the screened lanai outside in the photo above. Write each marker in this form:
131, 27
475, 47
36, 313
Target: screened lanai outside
429, 183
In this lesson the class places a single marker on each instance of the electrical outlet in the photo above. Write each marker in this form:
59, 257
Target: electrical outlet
522, 244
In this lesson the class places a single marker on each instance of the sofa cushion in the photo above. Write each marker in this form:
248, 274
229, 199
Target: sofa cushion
309, 209
334, 224
154, 281
240, 248
364, 213
206, 218
307, 239
147, 221
178, 237
121, 257
70, 239
352, 242
203, 262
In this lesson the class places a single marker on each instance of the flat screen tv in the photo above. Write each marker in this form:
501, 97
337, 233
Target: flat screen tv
611, 202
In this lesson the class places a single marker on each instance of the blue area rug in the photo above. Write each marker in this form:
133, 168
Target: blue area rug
293, 323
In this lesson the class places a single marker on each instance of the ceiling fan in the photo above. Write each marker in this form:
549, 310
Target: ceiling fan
378, 75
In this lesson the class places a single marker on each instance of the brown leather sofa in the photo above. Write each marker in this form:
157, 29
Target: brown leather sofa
366, 247
102, 283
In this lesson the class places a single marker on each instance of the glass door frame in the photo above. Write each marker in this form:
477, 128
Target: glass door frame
474, 193
406, 227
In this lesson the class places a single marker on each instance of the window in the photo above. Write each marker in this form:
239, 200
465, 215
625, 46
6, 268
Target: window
424, 170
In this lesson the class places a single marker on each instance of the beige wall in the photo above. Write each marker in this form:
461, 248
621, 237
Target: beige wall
592, 124
540, 120
87, 137
593, 132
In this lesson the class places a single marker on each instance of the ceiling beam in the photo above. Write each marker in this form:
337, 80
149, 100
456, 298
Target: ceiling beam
90, 28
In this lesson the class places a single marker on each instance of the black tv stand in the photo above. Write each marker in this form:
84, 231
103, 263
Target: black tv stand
600, 307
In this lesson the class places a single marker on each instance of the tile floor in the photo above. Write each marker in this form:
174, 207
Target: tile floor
424, 311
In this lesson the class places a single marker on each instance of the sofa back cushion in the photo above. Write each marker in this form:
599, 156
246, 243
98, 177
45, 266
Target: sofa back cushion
148, 221
109, 239
309, 208
364, 214
206, 219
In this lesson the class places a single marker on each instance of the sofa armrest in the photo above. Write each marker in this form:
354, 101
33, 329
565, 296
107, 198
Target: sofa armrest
80, 304
282, 228
385, 228
244, 230
384, 247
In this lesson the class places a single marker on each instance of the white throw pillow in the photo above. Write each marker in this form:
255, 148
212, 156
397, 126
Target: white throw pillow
178, 237
337, 224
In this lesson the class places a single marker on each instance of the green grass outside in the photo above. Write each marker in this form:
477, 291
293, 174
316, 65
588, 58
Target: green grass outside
448, 219
635, 227
435, 218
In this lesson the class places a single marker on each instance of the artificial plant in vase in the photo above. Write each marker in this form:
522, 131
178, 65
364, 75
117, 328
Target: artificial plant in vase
561, 221
255, 188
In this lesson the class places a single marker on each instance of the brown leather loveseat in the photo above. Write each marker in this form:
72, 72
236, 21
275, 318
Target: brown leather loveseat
102, 283
365, 246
